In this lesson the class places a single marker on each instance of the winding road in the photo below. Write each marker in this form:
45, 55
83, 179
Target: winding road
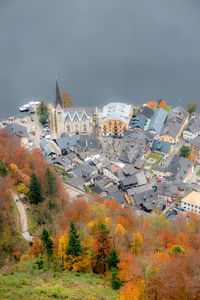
23, 218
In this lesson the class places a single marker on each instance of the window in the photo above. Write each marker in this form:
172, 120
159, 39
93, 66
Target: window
84, 128
68, 128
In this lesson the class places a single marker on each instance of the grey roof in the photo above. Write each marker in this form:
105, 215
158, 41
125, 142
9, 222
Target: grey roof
47, 147
158, 120
139, 163
77, 113
67, 141
77, 182
17, 129
146, 111
128, 170
180, 167
193, 125
196, 142
58, 97
138, 190
87, 142
160, 146
175, 121
62, 160
139, 121
141, 179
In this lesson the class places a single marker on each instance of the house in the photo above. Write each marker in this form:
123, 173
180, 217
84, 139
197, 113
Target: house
145, 111
161, 146
191, 202
63, 162
168, 192
137, 179
72, 120
140, 121
174, 126
148, 201
192, 129
116, 118
67, 143
114, 193
180, 169
17, 129
195, 145
158, 120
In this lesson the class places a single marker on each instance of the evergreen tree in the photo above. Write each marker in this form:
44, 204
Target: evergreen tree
113, 259
115, 282
74, 246
185, 151
35, 190
50, 183
3, 169
47, 242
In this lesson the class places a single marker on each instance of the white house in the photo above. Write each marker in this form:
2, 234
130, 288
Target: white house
191, 202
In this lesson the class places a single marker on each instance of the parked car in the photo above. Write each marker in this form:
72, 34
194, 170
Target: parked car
159, 180
155, 188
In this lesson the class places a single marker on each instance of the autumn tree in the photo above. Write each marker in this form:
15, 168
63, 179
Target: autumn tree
50, 183
163, 104
101, 248
36, 248
66, 99
35, 190
74, 247
152, 104
137, 242
62, 248
47, 242
191, 107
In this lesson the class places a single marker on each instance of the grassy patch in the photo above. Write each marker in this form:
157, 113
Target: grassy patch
32, 222
157, 156
198, 173
66, 285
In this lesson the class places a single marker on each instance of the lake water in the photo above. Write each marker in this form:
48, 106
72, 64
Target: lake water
101, 51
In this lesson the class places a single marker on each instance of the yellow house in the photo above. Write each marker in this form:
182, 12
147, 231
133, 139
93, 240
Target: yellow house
116, 118
175, 124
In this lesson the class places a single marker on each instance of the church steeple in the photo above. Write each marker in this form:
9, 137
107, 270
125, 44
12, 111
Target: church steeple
58, 97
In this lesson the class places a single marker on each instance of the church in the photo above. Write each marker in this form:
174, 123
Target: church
72, 120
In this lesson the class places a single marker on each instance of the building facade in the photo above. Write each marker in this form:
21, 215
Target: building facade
191, 202
116, 118
72, 120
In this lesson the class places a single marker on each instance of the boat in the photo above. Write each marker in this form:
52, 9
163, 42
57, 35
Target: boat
25, 107
30, 104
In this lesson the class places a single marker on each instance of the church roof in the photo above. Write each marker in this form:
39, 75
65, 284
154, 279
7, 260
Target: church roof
58, 97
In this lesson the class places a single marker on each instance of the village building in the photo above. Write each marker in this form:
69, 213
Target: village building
116, 118
192, 129
72, 120
191, 202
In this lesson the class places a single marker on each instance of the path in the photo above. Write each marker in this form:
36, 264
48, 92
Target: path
23, 219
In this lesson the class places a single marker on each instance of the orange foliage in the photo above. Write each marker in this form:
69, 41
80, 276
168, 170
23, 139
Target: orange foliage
167, 238
192, 157
152, 104
128, 268
163, 104
37, 247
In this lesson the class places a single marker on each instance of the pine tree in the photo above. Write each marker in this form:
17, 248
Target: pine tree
3, 169
74, 246
50, 183
47, 242
35, 190
113, 259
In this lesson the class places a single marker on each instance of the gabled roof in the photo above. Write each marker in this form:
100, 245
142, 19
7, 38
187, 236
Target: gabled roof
146, 111
139, 121
193, 125
67, 141
17, 129
58, 97
196, 142
158, 120
77, 113
160, 146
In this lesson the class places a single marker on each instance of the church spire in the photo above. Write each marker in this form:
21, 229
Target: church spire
58, 97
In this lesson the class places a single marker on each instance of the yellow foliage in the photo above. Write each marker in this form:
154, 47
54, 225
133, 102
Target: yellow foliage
108, 222
137, 242
62, 248
132, 291
22, 188
120, 230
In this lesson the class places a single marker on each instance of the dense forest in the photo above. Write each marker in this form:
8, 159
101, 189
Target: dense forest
140, 257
